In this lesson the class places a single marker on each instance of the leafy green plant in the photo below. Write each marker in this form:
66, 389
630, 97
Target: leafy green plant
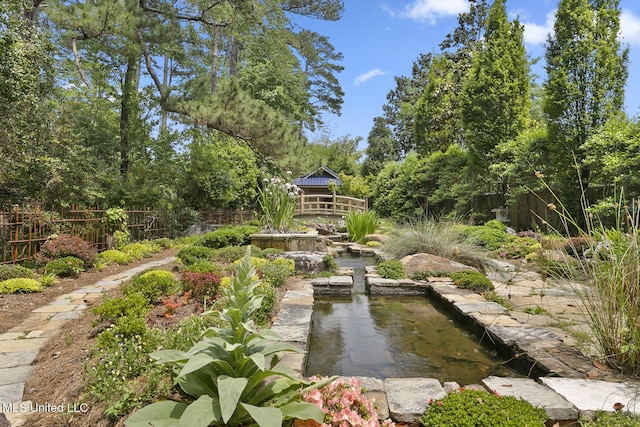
153, 284
490, 237
139, 250
114, 255
518, 247
473, 280
231, 236
63, 267
19, 285
359, 224
10, 271
535, 310
116, 222
223, 374
132, 305
269, 296
276, 271
495, 297
392, 269
278, 200
191, 254
204, 266
480, 408
63, 246
330, 263
612, 419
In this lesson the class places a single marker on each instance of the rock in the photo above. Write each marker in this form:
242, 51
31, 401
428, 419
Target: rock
428, 262
376, 237
4, 422
307, 262
198, 229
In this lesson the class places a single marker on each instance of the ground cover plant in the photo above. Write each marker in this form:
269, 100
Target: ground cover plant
480, 408
473, 280
391, 269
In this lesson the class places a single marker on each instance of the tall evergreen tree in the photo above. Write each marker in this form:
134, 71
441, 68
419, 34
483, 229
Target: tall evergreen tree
381, 148
495, 102
586, 74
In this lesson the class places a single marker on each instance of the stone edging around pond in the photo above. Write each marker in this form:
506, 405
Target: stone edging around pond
562, 390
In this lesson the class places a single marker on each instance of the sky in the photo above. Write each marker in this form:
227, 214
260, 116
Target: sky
380, 39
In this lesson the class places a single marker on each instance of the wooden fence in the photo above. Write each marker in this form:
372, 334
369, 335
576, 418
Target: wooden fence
23, 230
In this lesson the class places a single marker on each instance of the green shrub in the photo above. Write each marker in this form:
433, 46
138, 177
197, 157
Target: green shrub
489, 237
518, 247
204, 266
269, 295
612, 419
66, 266
359, 224
193, 253
140, 250
10, 271
424, 275
480, 408
391, 269
114, 255
164, 242
48, 279
222, 237
153, 284
132, 305
374, 244
330, 263
276, 272
266, 253
496, 225
19, 285
66, 245
473, 280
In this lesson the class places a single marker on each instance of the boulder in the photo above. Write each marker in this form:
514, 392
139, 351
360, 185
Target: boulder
307, 262
376, 237
428, 262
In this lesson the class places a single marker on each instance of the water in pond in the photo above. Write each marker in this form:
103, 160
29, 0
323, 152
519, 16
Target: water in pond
393, 337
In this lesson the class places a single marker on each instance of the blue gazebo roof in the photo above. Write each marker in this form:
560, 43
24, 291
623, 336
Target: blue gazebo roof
321, 177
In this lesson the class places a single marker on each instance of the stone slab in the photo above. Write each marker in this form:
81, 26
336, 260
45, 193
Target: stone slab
409, 397
340, 281
374, 389
596, 395
67, 315
293, 314
34, 344
487, 307
11, 393
292, 333
524, 335
56, 308
17, 374
379, 281
556, 406
320, 281
17, 358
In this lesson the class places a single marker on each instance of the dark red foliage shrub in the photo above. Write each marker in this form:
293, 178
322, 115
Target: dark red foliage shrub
200, 284
66, 245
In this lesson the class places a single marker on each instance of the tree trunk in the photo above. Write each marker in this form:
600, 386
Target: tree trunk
215, 38
129, 95
233, 59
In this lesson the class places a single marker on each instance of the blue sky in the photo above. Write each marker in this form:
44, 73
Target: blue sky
382, 39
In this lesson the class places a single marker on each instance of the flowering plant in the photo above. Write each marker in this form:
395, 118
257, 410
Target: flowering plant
343, 404
278, 200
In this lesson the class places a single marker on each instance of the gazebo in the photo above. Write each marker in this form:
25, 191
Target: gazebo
317, 182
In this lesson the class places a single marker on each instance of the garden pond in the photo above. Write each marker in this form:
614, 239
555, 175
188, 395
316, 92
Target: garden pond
394, 337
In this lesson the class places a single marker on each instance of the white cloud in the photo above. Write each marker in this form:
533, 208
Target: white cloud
429, 10
630, 27
534, 34
368, 76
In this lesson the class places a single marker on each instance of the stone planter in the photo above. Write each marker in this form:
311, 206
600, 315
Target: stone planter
308, 242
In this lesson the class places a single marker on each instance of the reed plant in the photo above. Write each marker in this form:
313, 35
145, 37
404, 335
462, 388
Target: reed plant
359, 224
606, 279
